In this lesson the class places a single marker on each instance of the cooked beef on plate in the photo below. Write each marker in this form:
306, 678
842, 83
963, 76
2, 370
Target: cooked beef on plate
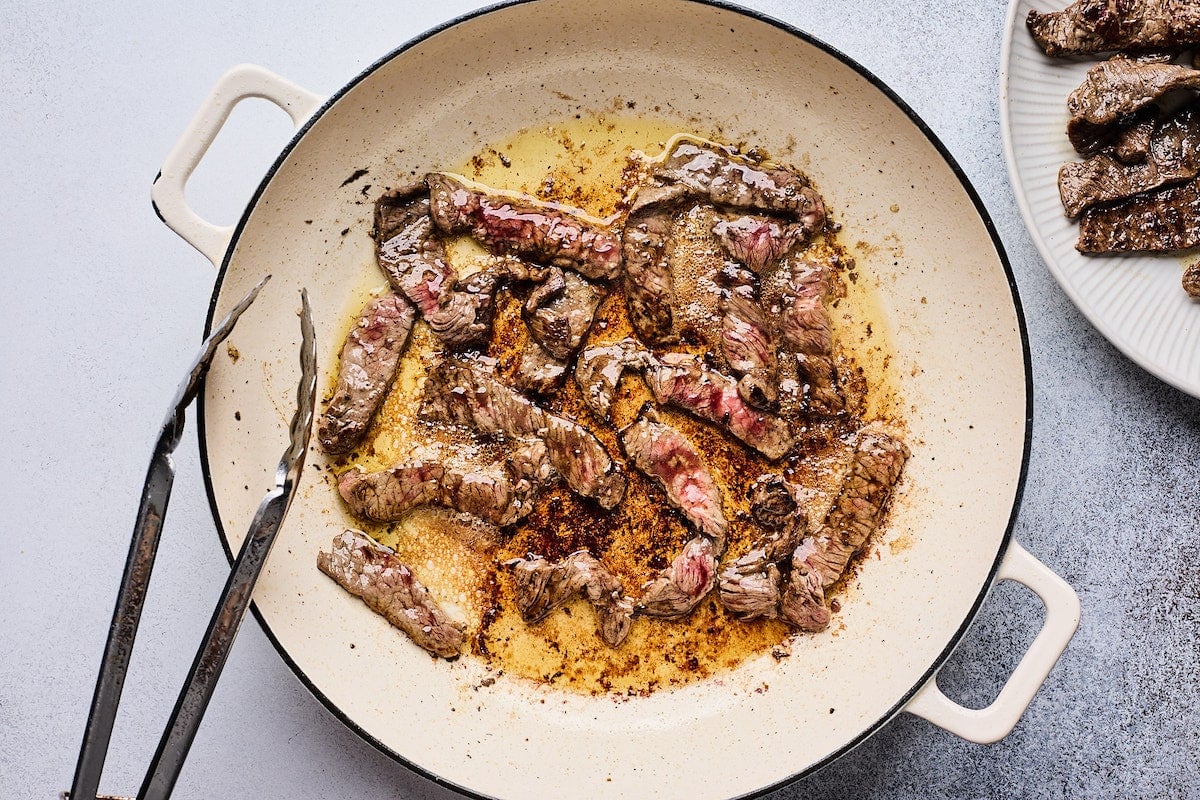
1092, 26
1162, 221
1114, 92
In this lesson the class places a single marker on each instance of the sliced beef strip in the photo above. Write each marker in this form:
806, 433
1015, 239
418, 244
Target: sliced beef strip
758, 242
369, 570
680, 587
543, 586
1094, 26
686, 382
820, 559
1131, 145
1114, 92
539, 372
366, 371
647, 279
1173, 155
389, 495
710, 171
748, 348
751, 586
667, 457
547, 234
414, 259
467, 391
559, 322
806, 330
598, 371
1161, 221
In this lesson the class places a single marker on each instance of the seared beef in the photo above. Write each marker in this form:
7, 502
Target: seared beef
467, 391
1132, 143
670, 460
680, 587
751, 586
748, 349
647, 279
538, 371
561, 314
1173, 155
757, 242
820, 559
415, 262
1093, 26
1114, 92
686, 382
543, 587
539, 232
389, 495
807, 331
1161, 221
368, 366
598, 370
1191, 280
709, 171
369, 570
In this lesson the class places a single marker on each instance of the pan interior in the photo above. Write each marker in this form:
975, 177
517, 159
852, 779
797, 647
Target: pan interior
916, 234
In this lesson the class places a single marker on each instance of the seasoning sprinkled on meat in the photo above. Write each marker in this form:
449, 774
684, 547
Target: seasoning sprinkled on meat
749, 349
544, 233
807, 331
369, 570
821, 559
598, 370
559, 318
758, 242
367, 368
1092, 26
543, 586
468, 392
667, 457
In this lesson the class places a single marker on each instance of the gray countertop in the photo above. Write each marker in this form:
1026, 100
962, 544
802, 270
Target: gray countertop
103, 306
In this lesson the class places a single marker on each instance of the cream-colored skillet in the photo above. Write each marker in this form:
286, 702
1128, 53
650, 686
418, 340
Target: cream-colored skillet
947, 295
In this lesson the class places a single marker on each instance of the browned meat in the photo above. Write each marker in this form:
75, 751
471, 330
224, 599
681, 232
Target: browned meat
1114, 92
1191, 279
598, 370
469, 393
686, 382
758, 242
671, 461
560, 313
415, 262
369, 570
543, 586
710, 171
368, 366
821, 558
1161, 221
1132, 143
538, 371
806, 330
1173, 155
748, 349
543, 233
680, 587
1094, 26
389, 495
751, 586
647, 279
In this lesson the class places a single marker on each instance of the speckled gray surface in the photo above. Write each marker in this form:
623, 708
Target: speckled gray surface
103, 305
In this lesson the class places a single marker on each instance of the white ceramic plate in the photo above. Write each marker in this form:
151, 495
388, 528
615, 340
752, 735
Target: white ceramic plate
1136, 302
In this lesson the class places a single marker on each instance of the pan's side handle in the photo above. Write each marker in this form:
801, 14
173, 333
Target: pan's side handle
987, 725
241, 82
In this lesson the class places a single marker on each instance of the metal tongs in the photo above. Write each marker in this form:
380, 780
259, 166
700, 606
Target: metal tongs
231, 608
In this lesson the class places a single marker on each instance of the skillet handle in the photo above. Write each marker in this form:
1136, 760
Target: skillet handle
236, 85
987, 725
